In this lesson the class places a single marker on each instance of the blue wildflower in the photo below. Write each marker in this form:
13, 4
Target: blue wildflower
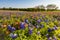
30, 31
47, 35
13, 35
9, 27
55, 27
22, 25
49, 30
41, 26
49, 38
54, 38
46, 20
26, 20
13, 29
37, 26
43, 17
38, 20
38, 32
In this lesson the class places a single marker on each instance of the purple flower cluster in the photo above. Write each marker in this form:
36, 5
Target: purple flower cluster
46, 20
11, 28
55, 27
49, 29
13, 35
49, 38
38, 32
54, 38
22, 25
47, 35
30, 31
41, 26
26, 20
38, 20
37, 26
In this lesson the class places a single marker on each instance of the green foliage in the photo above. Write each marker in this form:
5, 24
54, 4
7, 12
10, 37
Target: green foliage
23, 34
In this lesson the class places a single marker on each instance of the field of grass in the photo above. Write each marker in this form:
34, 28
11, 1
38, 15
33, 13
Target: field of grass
23, 25
5, 12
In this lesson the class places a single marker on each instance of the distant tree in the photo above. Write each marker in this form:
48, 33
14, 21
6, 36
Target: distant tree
51, 7
3, 8
40, 7
10, 7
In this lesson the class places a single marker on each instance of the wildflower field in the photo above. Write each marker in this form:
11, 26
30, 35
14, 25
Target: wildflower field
30, 26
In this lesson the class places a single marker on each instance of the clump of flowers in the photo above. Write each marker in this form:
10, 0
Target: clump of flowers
31, 27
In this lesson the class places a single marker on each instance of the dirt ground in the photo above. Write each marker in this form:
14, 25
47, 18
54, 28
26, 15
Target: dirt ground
6, 12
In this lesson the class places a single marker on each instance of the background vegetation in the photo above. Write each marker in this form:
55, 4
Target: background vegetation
49, 7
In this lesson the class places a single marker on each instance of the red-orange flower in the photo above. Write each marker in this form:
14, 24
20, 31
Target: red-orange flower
7, 32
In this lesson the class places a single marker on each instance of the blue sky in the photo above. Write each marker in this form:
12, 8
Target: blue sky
27, 3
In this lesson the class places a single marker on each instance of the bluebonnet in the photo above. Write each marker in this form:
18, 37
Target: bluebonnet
49, 30
54, 38
43, 16
47, 35
55, 27
41, 26
46, 20
49, 38
11, 28
26, 20
38, 20
30, 31
22, 25
38, 32
37, 26
13, 35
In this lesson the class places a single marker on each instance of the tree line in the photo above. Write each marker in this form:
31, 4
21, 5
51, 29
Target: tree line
50, 7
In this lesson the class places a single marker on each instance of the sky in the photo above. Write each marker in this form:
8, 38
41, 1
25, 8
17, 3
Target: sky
27, 3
